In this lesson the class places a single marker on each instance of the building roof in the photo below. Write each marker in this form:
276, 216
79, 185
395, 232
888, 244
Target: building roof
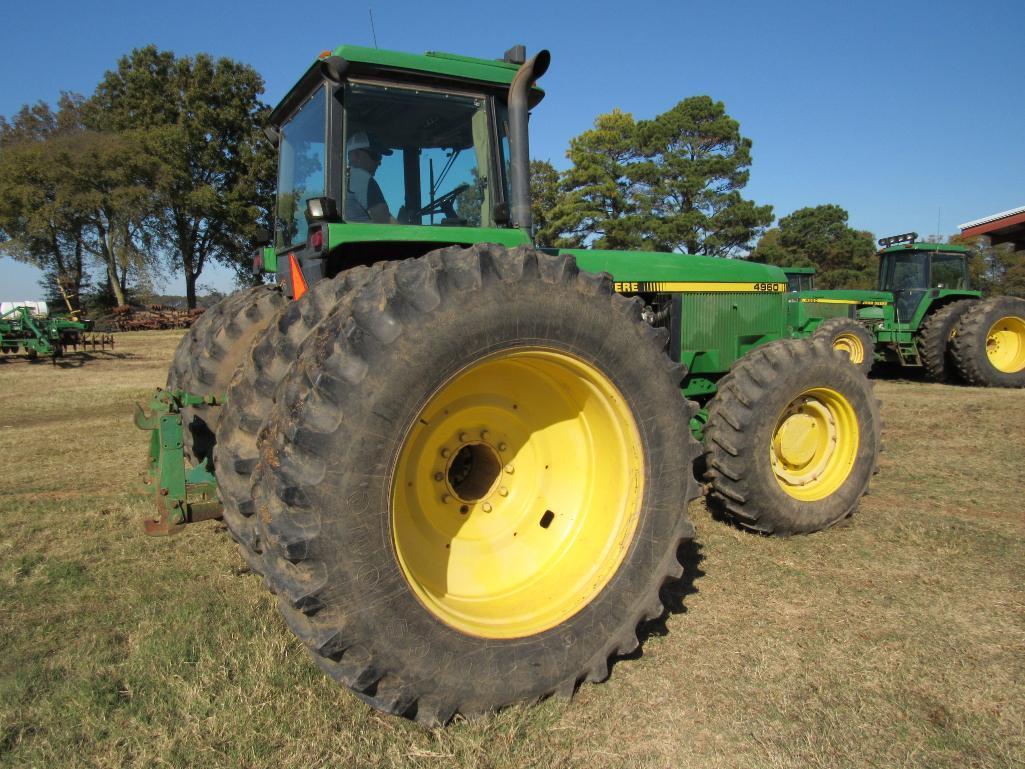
1005, 227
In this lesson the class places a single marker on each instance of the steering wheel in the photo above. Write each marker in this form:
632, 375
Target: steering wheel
446, 204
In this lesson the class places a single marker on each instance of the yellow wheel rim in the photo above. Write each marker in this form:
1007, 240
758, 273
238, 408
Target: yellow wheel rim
1005, 344
814, 444
516, 493
850, 344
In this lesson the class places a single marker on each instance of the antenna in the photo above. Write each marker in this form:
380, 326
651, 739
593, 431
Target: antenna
372, 30
939, 235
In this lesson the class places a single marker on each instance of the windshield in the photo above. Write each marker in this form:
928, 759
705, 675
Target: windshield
419, 157
949, 271
905, 271
300, 169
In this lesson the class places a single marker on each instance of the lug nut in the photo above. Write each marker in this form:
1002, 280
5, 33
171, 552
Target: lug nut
446, 498
502, 447
438, 476
484, 435
509, 469
503, 491
486, 507
463, 437
445, 453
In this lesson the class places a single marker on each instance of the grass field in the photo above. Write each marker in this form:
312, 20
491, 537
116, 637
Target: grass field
895, 640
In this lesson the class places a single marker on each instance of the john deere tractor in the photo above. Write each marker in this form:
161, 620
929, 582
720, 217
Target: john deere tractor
924, 314
463, 463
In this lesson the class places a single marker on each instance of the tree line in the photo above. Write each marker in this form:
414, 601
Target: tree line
164, 169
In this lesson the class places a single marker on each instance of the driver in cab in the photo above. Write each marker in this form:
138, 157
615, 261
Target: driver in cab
364, 200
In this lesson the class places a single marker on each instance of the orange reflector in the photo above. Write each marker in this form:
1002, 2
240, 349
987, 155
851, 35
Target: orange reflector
296, 274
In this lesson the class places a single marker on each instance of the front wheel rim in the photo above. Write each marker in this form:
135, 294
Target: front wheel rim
814, 444
1005, 344
517, 492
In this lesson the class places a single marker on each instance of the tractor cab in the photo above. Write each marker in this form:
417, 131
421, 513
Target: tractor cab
910, 270
388, 155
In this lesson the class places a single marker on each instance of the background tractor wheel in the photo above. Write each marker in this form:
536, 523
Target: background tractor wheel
251, 396
208, 355
851, 338
934, 340
989, 347
792, 438
473, 485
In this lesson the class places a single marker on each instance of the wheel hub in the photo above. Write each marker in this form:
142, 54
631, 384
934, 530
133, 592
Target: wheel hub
1005, 345
814, 444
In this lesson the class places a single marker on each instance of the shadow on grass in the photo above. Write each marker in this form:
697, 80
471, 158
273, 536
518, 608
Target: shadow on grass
673, 596
79, 359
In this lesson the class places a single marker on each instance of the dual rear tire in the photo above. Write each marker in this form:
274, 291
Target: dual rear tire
472, 482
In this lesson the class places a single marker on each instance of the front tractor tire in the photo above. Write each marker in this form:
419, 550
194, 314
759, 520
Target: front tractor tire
851, 338
989, 346
936, 337
474, 482
792, 439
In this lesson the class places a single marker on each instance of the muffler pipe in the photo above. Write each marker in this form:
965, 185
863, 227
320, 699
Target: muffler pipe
519, 142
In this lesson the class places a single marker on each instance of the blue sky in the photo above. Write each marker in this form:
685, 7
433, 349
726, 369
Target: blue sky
907, 114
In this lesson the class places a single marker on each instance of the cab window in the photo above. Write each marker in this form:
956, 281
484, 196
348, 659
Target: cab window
417, 156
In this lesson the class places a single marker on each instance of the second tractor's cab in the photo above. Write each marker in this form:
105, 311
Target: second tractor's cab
918, 274
800, 278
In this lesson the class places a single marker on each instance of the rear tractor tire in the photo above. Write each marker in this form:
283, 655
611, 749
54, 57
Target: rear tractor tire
474, 483
207, 357
936, 338
851, 338
989, 346
792, 439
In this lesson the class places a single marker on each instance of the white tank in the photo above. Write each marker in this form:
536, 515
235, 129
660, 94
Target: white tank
38, 309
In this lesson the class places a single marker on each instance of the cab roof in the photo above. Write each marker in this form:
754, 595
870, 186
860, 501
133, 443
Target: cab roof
442, 69
946, 247
492, 71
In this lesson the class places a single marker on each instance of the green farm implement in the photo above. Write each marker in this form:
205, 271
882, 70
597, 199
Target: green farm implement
463, 463
924, 314
23, 328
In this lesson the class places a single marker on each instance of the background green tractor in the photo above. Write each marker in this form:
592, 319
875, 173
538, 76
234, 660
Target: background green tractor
923, 314
461, 463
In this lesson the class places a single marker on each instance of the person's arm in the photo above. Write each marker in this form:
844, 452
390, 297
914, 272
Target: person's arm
377, 206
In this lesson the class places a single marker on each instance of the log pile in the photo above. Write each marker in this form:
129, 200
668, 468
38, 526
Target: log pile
152, 318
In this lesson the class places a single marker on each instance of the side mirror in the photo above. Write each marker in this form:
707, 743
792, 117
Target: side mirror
321, 210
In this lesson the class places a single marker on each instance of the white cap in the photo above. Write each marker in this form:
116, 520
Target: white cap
360, 141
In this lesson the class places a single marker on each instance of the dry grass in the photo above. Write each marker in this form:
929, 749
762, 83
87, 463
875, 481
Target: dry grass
897, 640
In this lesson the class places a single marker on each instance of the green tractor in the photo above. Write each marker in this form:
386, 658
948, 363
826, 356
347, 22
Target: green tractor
923, 314
462, 463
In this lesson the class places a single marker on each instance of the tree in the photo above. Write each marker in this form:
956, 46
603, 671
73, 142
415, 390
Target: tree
598, 204
695, 162
668, 184
68, 192
549, 207
200, 121
39, 224
819, 237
